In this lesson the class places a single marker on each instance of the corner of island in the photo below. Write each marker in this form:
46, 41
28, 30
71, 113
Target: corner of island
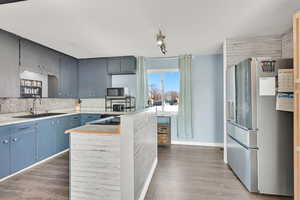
113, 162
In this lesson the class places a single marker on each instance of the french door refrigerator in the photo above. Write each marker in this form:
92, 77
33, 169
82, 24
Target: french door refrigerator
259, 138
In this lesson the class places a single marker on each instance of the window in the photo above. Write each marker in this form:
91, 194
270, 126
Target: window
163, 90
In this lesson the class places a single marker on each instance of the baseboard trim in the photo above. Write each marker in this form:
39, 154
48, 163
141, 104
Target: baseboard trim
205, 144
148, 181
35, 164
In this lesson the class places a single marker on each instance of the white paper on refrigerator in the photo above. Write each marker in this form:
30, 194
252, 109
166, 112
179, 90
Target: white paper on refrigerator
267, 86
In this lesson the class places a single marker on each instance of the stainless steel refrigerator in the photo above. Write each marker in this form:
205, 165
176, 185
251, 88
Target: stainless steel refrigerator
260, 138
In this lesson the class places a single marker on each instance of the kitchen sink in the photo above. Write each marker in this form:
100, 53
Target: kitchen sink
39, 115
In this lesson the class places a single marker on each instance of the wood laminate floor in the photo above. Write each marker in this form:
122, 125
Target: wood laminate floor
183, 173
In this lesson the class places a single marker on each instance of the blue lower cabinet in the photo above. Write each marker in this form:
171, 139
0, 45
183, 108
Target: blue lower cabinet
46, 139
23, 146
62, 139
74, 121
4, 156
89, 117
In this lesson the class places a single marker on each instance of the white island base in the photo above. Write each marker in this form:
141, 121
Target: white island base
117, 165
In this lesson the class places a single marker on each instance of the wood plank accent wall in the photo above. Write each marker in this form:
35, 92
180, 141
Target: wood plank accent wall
240, 49
287, 44
296, 32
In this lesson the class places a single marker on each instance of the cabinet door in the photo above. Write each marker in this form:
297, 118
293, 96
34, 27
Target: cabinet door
93, 78
62, 139
296, 30
9, 65
114, 65
4, 156
89, 117
37, 58
68, 78
128, 65
46, 139
23, 149
74, 121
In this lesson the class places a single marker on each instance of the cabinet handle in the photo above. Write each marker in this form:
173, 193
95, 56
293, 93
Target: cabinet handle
5, 141
15, 140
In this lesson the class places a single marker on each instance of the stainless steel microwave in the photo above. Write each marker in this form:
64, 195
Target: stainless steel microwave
115, 92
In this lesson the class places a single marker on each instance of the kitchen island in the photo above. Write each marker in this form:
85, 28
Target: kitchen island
113, 162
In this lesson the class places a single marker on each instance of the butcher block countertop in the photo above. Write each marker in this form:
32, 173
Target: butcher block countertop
96, 129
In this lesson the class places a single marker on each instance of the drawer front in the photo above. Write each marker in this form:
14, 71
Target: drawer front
163, 129
163, 139
246, 137
24, 127
5, 131
243, 163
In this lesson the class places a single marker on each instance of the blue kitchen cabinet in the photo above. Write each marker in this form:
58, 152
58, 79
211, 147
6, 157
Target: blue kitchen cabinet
62, 139
22, 146
89, 117
4, 151
74, 121
128, 65
121, 65
9, 68
93, 78
114, 65
46, 139
68, 77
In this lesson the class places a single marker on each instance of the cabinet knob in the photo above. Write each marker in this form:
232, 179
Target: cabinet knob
5, 141
15, 139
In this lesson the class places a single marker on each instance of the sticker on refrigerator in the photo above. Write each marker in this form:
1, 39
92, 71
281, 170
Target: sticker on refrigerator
284, 102
267, 86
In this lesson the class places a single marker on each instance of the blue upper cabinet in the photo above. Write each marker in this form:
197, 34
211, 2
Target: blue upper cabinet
37, 58
128, 65
93, 78
46, 138
22, 146
4, 151
9, 67
114, 65
68, 77
121, 65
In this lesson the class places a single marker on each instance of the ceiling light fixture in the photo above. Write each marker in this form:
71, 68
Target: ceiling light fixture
160, 40
9, 1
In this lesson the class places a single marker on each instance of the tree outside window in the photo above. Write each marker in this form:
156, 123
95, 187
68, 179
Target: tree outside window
163, 91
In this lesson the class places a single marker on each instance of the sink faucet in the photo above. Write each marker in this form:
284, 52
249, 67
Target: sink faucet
33, 109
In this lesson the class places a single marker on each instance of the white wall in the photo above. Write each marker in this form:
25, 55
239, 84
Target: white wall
128, 81
37, 77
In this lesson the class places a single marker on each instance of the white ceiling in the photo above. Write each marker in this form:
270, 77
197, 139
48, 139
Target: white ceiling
99, 28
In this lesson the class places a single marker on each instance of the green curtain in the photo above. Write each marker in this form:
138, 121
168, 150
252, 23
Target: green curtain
185, 98
142, 84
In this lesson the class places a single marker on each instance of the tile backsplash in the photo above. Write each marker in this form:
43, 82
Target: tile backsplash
15, 105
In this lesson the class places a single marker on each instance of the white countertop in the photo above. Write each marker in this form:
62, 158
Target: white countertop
9, 119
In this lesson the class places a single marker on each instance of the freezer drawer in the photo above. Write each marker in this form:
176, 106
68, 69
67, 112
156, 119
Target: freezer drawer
245, 136
243, 162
